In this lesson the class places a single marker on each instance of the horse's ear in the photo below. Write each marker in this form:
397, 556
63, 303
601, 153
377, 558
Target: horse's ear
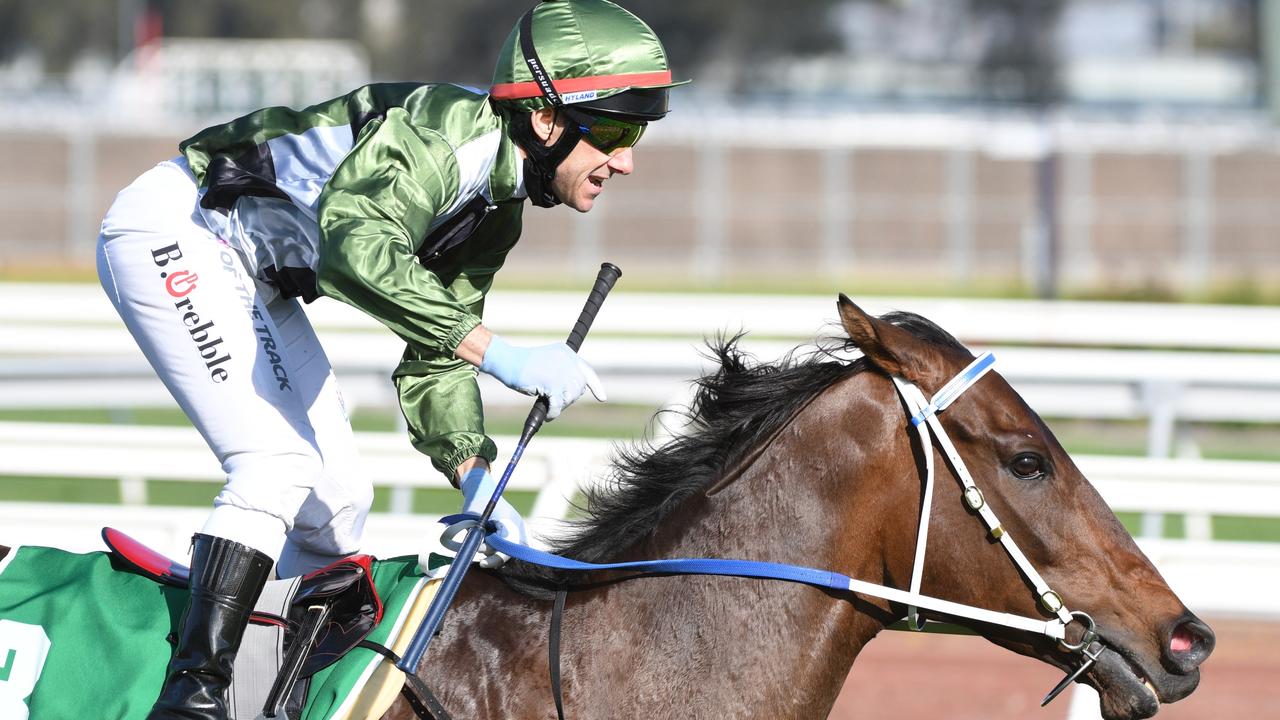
886, 346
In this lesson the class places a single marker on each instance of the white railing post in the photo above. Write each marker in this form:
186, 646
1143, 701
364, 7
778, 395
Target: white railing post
401, 500
553, 499
1160, 399
133, 490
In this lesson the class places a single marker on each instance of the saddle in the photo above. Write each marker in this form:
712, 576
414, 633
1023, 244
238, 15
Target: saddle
299, 626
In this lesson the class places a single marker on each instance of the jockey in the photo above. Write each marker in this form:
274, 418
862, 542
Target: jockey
401, 200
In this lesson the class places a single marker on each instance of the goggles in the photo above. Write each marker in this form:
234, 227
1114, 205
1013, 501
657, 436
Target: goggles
607, 135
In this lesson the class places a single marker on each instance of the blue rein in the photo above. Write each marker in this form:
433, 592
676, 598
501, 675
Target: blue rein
682, 566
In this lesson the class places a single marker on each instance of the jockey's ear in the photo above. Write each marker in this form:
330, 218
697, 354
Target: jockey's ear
887, 346
544, 123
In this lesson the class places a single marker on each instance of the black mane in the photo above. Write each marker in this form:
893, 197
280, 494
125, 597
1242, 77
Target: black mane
734, 409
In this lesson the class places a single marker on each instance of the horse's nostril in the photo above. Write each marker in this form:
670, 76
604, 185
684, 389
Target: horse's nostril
1189, 644
1182, 640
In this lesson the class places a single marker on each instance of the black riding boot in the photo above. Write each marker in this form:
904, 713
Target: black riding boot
226, 580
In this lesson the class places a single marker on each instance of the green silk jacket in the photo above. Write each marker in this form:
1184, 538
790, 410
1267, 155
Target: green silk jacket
399, 199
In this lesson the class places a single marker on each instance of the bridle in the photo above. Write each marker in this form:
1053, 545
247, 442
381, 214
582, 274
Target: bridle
924, 417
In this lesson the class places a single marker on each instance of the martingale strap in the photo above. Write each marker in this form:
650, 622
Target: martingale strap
553, 650
924, 416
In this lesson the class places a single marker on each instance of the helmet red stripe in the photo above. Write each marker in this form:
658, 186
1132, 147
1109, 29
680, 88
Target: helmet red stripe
521, 90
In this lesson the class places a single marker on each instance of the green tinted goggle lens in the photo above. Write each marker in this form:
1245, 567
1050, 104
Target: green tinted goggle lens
606, 134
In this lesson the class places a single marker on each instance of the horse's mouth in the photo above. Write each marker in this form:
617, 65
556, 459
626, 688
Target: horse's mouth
1127, 691
1138, 674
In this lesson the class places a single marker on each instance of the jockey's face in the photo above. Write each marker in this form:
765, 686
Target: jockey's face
580, 177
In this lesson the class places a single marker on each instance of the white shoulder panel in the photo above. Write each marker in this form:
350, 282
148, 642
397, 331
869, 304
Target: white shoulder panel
305, 162
475, 164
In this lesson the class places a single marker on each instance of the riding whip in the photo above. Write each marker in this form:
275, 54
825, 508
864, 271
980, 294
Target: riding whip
605, 279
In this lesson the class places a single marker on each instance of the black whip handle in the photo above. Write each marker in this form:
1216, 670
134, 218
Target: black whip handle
605, 279
608, 275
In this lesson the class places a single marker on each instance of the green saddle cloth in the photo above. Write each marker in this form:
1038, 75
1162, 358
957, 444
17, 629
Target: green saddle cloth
80, 638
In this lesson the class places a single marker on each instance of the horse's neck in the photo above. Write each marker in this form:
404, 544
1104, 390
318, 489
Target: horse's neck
716, 643
682, 646
720, 639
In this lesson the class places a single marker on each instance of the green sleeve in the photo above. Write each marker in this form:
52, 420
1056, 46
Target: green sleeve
438, 393
374, 212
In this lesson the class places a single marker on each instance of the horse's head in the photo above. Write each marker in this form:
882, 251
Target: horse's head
1154, 645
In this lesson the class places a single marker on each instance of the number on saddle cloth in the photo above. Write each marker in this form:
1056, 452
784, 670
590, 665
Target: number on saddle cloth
345, 589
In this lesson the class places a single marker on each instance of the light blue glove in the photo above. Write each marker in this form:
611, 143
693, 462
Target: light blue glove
477, 487
553, 371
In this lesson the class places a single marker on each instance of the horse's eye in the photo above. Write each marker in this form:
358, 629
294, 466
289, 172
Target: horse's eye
1027, 466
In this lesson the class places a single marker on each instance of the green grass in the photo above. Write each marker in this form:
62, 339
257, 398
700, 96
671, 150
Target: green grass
1244, 291
1225, 527
179, 493
588, 419
1230, 527
1174, 526
1216, 441
97, 416
59, 490
439, 501
1227, 441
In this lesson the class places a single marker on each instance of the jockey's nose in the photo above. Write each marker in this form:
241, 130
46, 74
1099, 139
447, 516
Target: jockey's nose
622, 163
1188, 645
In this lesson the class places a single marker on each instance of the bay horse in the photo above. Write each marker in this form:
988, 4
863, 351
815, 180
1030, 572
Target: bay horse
813, 462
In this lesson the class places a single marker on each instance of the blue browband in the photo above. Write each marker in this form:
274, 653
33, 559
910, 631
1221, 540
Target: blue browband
956, 387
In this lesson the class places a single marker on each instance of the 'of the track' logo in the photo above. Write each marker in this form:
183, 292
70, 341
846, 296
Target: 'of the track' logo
180, 283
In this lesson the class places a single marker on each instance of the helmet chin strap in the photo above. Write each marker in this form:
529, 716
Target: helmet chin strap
541, 160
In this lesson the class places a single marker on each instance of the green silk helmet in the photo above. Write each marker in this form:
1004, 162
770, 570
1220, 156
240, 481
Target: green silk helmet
590, 54
579, 56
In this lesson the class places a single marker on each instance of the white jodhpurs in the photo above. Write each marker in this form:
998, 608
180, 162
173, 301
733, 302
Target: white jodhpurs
246, 367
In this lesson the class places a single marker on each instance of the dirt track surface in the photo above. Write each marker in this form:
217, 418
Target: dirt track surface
909, 676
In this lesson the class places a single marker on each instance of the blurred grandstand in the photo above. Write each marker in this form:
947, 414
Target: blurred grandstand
1072, 147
